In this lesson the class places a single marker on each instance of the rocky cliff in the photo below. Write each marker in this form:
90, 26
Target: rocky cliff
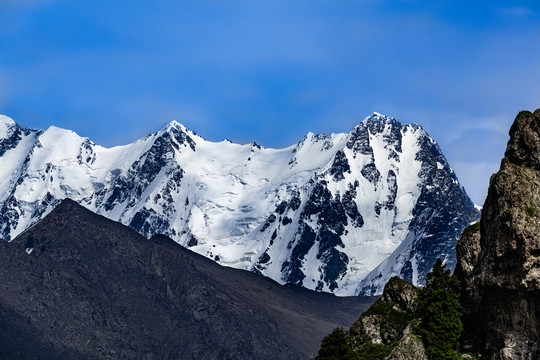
499, 261
386, 328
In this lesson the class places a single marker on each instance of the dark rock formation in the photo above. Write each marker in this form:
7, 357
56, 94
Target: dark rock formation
386, 327
80, 286
499, 265
468, 249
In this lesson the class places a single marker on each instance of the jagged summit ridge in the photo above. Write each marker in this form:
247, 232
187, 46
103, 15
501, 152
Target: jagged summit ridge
336, 212
375, 116
174, 125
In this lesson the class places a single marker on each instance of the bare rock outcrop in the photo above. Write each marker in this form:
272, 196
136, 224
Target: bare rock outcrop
386, 327
410, 347
499, 262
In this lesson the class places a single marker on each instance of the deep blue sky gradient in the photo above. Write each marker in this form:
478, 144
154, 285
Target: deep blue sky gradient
269, 71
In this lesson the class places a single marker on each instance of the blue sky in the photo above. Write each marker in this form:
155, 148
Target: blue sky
269, 71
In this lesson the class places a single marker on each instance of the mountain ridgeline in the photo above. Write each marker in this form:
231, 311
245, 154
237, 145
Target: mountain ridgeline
340, 213
80, 286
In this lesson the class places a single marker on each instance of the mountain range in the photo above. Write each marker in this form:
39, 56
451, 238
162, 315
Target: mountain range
339, 213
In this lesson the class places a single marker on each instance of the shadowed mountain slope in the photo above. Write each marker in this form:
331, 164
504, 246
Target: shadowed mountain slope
77, 285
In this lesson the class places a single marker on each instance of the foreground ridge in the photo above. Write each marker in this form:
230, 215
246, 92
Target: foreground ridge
79, 286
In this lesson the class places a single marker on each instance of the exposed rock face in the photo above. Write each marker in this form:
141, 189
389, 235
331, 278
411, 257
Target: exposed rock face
499, 266
402, 294
389, 323
410, 347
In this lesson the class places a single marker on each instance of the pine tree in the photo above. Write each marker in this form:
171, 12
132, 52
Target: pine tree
440, 314
336, 346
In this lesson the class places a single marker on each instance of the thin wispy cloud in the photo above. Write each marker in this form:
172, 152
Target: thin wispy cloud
517, 11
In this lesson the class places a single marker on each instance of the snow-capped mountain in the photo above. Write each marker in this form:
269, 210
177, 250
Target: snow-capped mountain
339, 213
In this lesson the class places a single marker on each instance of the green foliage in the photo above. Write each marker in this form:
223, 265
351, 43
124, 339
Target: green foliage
336, 346
370, 351
437, 321
532, 210
440, 313
473, 228
396, 281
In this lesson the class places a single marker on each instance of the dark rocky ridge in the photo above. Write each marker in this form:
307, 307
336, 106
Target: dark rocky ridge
80, 286
499, 262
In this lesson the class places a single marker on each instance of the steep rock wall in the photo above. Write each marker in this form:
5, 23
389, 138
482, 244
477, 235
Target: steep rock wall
499, 266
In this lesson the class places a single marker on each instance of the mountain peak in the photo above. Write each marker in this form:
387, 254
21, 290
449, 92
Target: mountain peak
69, 205
67, 222
378, 118
6, 124
524, 148
55, 131
175, 125
64, 208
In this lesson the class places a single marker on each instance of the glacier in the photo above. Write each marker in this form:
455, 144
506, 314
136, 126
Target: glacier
340, 213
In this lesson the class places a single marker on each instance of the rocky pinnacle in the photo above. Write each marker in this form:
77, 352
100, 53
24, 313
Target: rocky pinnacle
499, 261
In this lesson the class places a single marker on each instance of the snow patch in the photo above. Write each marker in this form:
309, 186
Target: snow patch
6, 126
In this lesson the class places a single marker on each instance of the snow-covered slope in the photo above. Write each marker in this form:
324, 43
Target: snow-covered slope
340, 213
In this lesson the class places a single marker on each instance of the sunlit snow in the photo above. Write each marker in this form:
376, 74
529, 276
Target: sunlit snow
224, 192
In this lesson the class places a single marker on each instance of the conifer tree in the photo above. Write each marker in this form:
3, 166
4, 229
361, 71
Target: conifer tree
440, 314
336, 346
